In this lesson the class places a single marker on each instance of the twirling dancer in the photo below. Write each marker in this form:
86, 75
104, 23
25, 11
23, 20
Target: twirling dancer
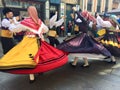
83, 44
110, 40
32, 55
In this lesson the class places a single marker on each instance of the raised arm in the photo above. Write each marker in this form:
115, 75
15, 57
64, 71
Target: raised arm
79, 19
53, 20
59, 22
17, 28
103, 23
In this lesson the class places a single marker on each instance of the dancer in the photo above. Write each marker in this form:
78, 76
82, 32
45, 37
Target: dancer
32, 54
52, 34
110, 40
84, 44
6, 35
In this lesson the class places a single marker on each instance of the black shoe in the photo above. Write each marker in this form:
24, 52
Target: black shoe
85, 66
112, 62
31, 81
72, 64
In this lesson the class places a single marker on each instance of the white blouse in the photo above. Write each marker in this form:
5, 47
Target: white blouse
20, 27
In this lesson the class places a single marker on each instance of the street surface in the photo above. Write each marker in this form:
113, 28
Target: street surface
99, 76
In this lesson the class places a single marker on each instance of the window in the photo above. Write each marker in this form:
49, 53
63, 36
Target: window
98, 5
106, 6
13, 3
89, 6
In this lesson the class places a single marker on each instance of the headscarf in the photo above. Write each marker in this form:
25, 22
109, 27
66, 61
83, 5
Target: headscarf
32, 11
88, 16
33, 21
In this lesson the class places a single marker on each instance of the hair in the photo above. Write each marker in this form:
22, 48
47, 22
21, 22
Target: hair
6, 10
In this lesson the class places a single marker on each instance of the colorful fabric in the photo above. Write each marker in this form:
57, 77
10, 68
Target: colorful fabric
88, 16
101, 32
47, 58
6, 33
111, 42
19, 56
30, 23
83, 44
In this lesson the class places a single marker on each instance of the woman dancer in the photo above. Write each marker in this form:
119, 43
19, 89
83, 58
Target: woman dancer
110, 40
32, 55
83, 44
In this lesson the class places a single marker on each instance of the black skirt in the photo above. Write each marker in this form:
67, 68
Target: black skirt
110, 41
7, 44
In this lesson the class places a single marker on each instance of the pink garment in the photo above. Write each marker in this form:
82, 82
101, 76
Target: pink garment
30, 23
88, 16
33, 21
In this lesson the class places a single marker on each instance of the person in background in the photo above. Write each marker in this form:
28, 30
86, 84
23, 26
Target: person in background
69, 28
52, 34
62, 30
76, 29
6, 35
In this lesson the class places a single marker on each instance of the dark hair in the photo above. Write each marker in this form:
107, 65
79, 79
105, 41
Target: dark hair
6, 10
96, 14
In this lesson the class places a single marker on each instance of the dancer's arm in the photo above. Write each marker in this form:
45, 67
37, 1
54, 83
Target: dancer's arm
53, 20
59, 22
79, 19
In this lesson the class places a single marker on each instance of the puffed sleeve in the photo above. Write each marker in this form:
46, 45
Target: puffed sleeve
5, 23
59, 22
17, 28
53, 20
103, 23
42, 29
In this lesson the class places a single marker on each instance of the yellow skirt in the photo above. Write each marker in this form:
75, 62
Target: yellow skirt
20, 55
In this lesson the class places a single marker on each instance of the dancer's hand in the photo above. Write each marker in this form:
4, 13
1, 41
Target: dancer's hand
117, 30
74, 8
56, 12
72, 15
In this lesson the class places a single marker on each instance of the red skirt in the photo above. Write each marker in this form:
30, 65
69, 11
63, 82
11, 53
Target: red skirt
48, 58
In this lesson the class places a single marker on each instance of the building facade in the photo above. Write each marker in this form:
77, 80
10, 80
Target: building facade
20, 6
96, 5
47, 8
66, 10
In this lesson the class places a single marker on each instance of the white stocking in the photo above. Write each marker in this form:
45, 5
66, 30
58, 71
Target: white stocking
75, 61
86, 62
113, 58
31, 76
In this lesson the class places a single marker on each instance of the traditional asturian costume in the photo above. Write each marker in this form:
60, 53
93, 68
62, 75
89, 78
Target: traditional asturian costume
6, 35
52, 34
32, 54
110, 40
83, 45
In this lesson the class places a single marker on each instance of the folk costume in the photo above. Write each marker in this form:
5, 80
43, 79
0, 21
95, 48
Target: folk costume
110, 40
6, 35
32, 54
83, 44
53, 34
